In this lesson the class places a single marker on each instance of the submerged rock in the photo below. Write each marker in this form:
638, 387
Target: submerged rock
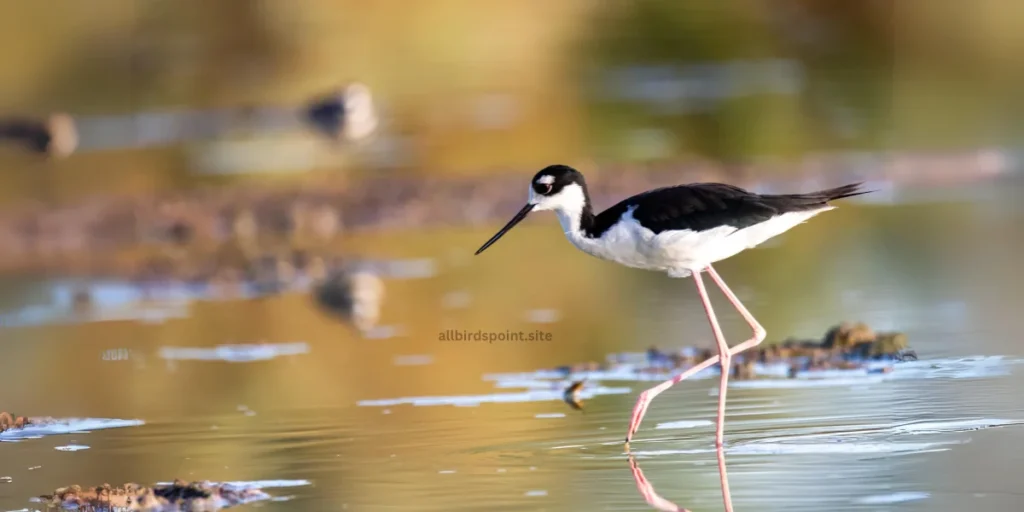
178, 496
844, 335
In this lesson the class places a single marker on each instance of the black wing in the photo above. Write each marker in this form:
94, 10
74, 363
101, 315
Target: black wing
697, 207
704, 206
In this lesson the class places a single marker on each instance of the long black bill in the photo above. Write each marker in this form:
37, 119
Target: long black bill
515, 220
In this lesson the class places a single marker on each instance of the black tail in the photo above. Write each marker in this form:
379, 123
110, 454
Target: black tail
797, 202
850, 190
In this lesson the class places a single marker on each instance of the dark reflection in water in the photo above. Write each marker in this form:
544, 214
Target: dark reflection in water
943, 273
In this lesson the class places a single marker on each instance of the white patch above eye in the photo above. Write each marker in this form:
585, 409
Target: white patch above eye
546, 179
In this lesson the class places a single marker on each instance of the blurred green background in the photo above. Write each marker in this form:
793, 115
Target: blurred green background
805, 76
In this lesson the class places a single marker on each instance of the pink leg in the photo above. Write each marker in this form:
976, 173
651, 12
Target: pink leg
645, 398
723, 386
759, 332
724, 357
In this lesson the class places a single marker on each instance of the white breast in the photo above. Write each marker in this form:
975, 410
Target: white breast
680, 253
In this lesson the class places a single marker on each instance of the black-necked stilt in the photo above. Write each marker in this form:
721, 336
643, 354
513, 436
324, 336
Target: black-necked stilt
678, 230
348, 114
355, 295
55, 136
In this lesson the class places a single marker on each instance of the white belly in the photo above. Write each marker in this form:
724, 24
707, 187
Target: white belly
680, 253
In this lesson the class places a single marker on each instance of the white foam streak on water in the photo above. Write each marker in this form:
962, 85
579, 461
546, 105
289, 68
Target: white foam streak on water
921, 428
950, 368
804, 383
259, 484
848, 440
938, 427
527, 396
684, 424
71, 448
239, 353
888, 499
544, 385
66, 426
832, 448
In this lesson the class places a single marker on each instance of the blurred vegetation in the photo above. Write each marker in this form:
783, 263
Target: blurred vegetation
873, 74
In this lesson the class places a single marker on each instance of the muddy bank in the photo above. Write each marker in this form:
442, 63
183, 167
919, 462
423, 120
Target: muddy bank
177, 496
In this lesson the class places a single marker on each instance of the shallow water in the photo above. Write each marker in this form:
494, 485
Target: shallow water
273, 389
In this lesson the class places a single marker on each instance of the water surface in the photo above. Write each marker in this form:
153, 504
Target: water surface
317, 403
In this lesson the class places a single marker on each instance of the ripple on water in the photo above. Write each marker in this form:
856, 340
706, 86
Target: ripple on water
836, 448
959, 367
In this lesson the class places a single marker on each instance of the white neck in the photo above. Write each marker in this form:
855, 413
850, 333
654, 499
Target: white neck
570, 221
568, 205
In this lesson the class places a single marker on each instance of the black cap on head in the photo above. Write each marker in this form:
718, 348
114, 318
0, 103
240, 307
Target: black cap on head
553, 178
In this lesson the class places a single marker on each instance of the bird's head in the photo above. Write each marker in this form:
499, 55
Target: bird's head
556, 187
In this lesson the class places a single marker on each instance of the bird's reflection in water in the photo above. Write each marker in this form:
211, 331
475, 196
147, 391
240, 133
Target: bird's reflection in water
655, 500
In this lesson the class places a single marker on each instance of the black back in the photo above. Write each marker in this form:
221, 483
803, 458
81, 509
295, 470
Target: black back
696, 207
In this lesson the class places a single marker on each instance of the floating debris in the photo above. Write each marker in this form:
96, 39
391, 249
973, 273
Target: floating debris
177, 496
571, 395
